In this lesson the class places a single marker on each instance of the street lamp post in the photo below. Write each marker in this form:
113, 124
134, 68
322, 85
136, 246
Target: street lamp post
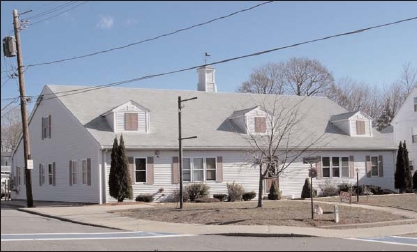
357, 184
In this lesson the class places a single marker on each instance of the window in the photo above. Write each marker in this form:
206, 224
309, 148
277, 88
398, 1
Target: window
260, 124
51, 174
339, 167
199, 169
84, 170
131, 121
140, 170
414, 135
74, 172
374, 166
360, 127
46, 127
42, 174
18, 175
415, 104
410, 164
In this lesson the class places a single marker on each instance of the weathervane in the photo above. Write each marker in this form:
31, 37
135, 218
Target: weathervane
206, 56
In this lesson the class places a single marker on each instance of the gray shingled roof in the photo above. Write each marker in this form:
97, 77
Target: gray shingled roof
205, 117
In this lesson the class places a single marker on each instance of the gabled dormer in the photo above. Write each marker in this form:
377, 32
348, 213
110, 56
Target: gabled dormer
128, 117
356, 124
252, 121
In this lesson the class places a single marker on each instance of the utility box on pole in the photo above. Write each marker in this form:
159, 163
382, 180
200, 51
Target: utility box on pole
9, 46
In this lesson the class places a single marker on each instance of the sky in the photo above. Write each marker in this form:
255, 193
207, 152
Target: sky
375, 57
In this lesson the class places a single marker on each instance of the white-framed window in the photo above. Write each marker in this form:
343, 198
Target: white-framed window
74, 172
131, 121
50, 174
140, 170
46, 127
84, 170
374, 166
260, 124
199, 169
414, 135
335, 167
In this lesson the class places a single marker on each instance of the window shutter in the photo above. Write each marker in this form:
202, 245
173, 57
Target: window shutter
43, 126
268, 183
49, 121
260, 124
150, 171
70, 172
360, 127
54, 174
318, 167
89, 171
219, 172
134, 121
351, 167
40, 175
131, 169
380, 166
368, 166
175, 171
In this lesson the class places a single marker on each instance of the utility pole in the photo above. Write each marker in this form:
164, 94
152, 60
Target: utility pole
180, 144
26, 144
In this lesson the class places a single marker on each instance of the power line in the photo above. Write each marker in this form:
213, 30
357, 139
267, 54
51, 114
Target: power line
57, 8
150, 39
10, 111
59, 13
87, 89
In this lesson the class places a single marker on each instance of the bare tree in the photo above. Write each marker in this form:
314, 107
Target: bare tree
285, 139
11, 129
267, 79
298, 76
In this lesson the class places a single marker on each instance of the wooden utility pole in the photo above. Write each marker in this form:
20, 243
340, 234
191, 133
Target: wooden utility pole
26, 144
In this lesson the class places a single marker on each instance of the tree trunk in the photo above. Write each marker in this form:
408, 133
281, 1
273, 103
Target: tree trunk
260, 187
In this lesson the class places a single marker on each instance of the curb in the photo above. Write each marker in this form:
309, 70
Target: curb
264, 235
66, 220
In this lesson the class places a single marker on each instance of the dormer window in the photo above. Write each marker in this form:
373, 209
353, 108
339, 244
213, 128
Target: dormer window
131, 121
360, 127
260, 124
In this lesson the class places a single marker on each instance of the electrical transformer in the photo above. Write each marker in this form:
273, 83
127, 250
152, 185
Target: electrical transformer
9, 46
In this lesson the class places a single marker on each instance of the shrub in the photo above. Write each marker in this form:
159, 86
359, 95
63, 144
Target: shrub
306, 192
144, 198
274, 192
415, 180
248, 196
376, 190
345, 187
235, 191
196, 191
329, 189
176, 196
206, 200
220, 196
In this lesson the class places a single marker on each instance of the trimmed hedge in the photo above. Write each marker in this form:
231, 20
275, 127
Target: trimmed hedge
144, 198
248, 196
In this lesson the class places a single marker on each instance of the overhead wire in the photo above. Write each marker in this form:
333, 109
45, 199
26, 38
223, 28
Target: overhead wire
57, 8
150, 39
59, 13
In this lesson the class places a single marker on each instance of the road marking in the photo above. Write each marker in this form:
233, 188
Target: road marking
397, 240
87, 236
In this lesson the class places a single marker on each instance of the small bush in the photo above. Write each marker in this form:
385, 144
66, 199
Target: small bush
206, 200
345, 187
176, 196
306, 192
248, 196
220, 196
329, 189
196, 191
235, 192
274, 192
144, 198
376, 190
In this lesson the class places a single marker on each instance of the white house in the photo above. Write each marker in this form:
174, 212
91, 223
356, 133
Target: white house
72, 129
404, 127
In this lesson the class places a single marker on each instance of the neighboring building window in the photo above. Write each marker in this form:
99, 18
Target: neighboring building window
414, 135
260, 124
131, 121
415, 104
140, 170
360, 127
74, 172
51, 174
42, 167
374, 166
84, 171
46, 127
339, 167
199, 169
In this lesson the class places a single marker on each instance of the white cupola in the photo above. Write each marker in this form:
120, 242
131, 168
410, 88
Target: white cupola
206, 81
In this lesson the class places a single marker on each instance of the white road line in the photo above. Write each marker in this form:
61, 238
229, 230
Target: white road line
381, 241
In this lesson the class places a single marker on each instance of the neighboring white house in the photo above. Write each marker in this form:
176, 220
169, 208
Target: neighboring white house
404, 127
72, 129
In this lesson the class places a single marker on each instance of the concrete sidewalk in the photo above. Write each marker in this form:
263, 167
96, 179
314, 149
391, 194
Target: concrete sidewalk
98, 215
